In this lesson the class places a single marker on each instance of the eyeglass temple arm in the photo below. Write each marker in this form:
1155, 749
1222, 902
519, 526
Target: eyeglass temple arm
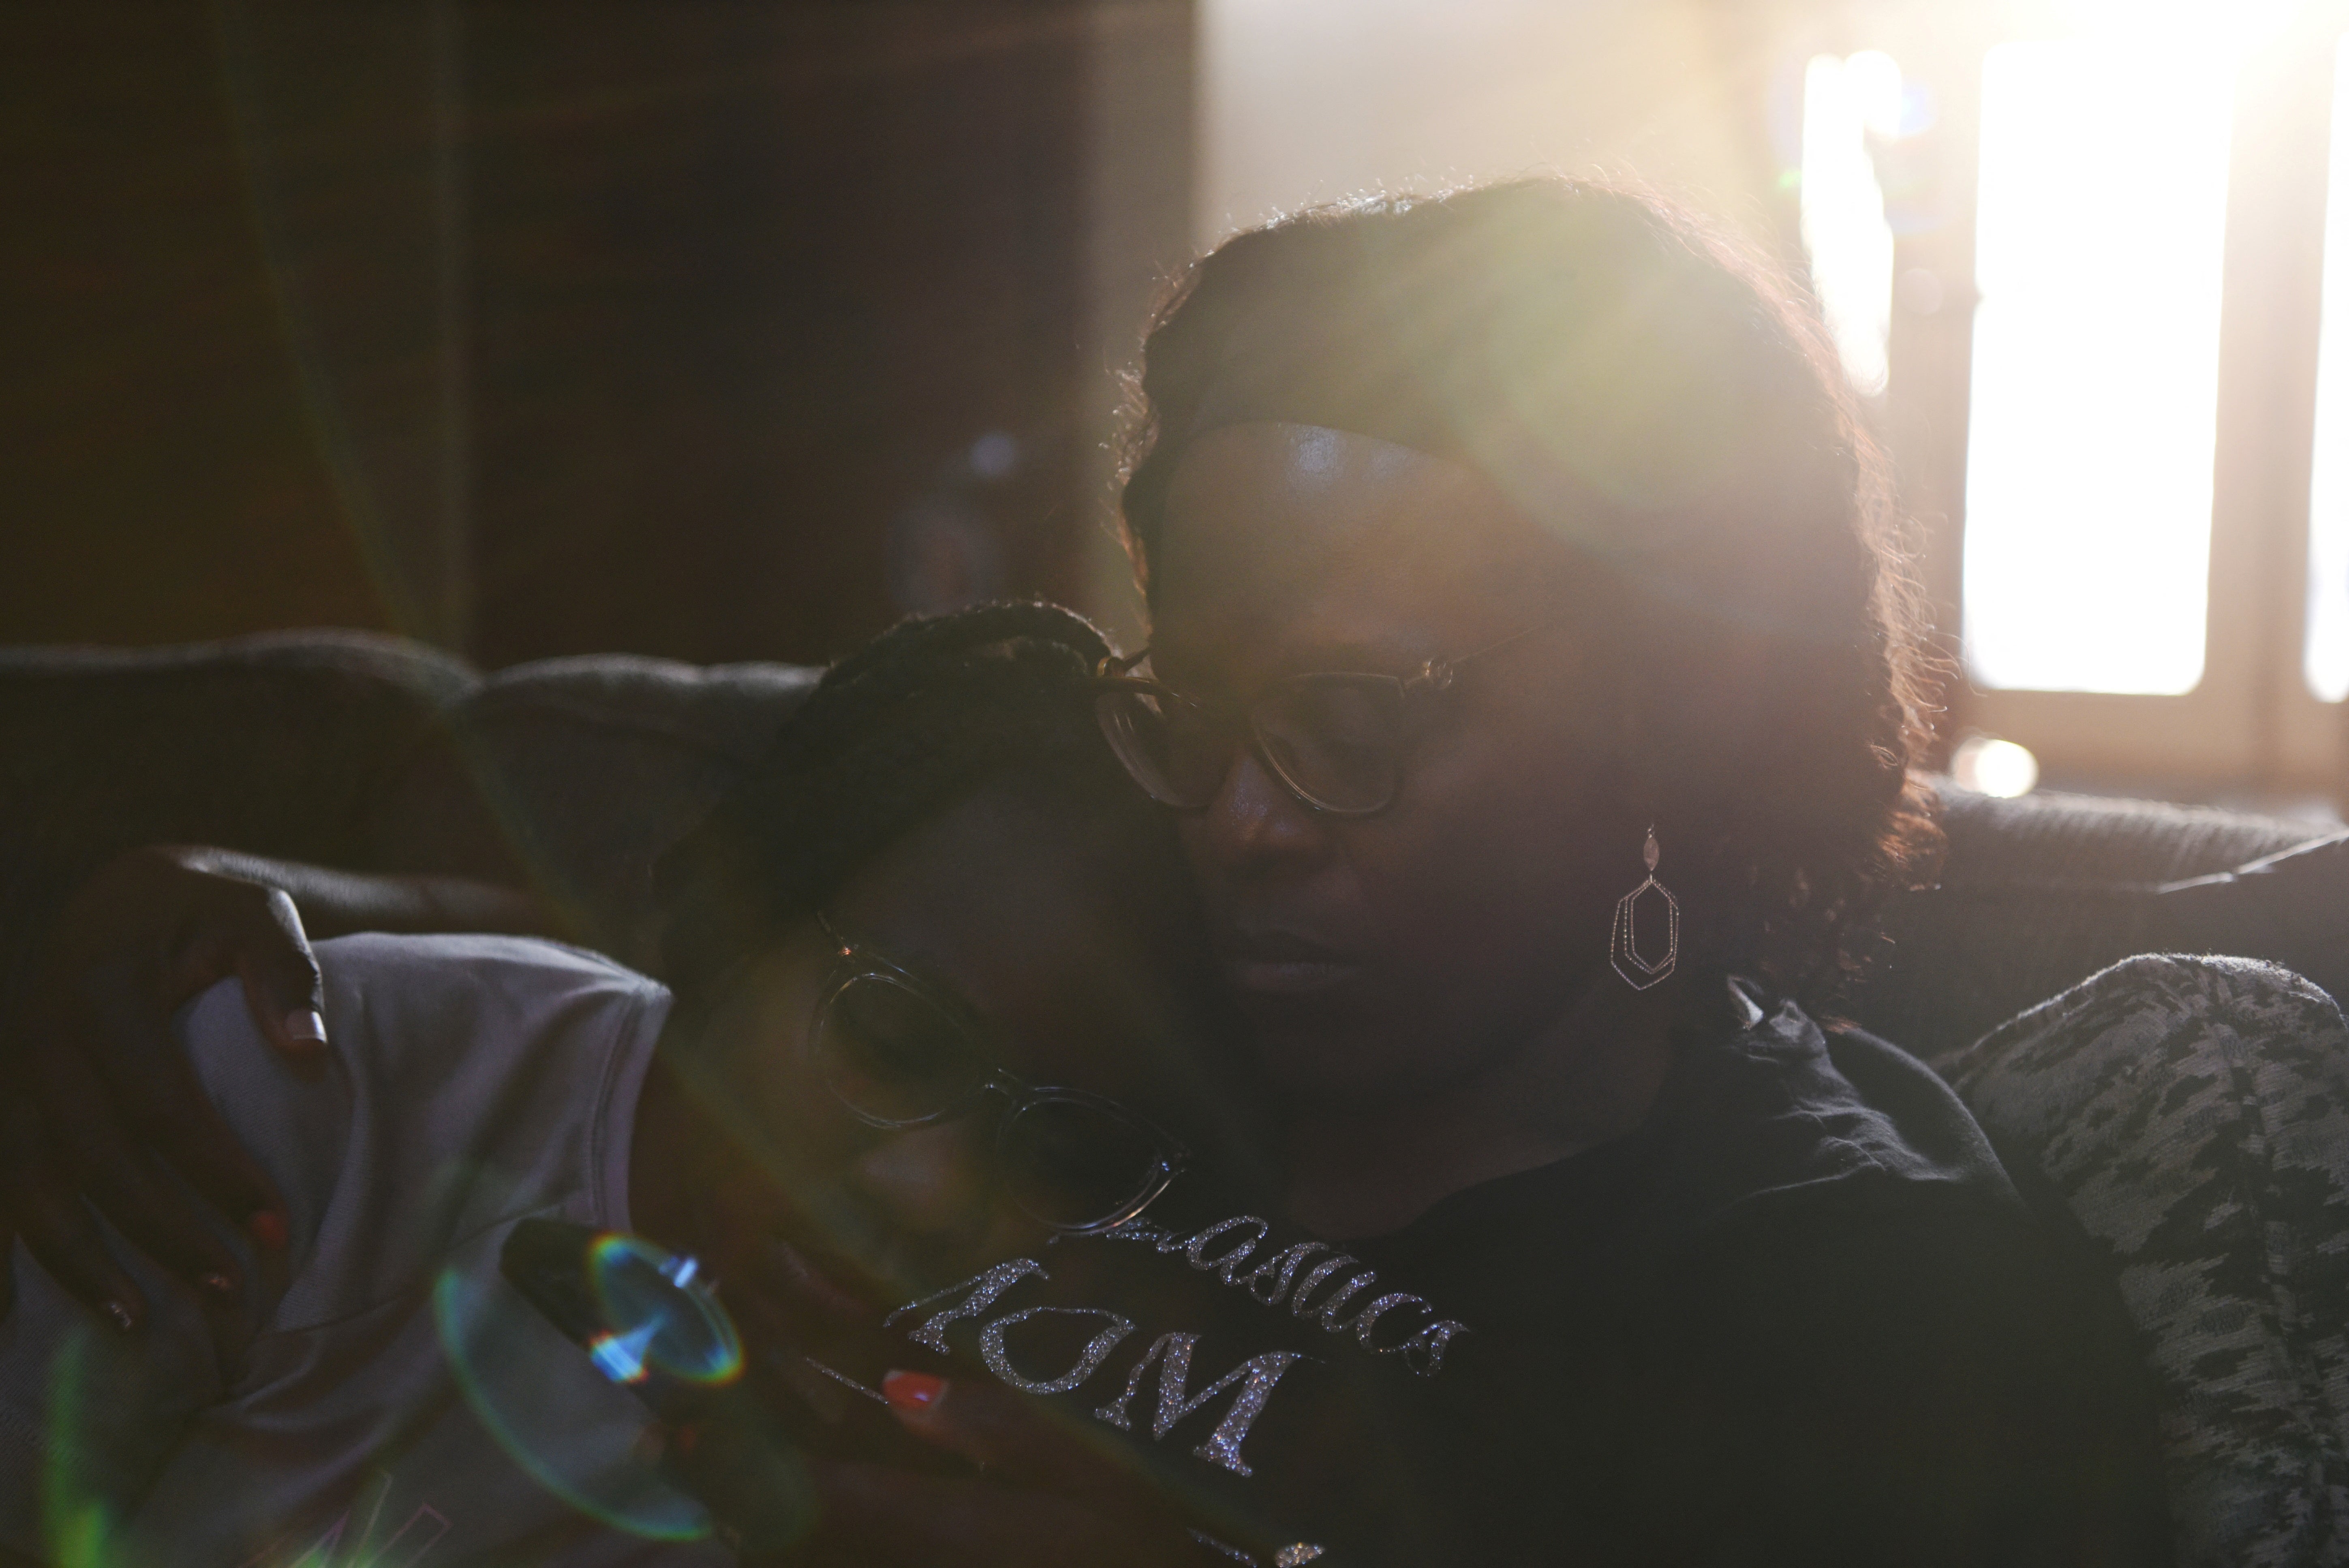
1438, 672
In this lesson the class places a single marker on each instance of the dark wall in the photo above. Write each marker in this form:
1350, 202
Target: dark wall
711, 330
158, 478
750, 291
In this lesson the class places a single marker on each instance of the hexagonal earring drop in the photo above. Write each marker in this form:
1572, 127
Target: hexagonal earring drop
1638, 971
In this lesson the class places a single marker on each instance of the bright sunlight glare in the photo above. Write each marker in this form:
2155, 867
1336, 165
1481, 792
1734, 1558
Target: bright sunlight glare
1994, 767
1844, 230
2327, 652
2099, 235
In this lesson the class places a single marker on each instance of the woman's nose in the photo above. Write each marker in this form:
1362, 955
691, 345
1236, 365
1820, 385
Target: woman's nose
1256, 822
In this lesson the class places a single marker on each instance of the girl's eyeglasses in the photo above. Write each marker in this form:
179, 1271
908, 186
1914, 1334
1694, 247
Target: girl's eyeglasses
900, 1053
1335, 739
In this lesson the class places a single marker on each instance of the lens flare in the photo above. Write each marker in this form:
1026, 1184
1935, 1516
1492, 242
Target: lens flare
1993, 767
571, 1430
80, 1529
658, 1312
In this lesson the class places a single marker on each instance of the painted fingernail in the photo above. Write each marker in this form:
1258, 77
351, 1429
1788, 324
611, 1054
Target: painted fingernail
123, 1318
306, 1025
268, 1228
220, 1284
912, 1391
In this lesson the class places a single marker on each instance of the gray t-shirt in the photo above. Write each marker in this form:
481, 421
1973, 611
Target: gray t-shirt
388, 1400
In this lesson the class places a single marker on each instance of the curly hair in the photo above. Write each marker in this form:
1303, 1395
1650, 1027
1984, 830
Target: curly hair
1672, 409
922, 716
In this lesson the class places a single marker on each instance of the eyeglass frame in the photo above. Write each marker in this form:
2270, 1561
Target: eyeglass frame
851, 962
1414, 694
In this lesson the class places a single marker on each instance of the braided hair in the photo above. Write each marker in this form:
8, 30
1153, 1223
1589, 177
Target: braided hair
916, 720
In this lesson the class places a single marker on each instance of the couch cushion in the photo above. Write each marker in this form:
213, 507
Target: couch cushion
2056, 839
276, 744
2194, 1115
576, 773
2041, 892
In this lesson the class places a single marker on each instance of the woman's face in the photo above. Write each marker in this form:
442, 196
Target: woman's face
1380, 956
1031, 925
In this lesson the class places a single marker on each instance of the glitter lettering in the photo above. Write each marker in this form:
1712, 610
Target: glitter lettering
1172, 1353
990, 1348
1424, 1351
1313, 1278
1268, 1281
984, 1290
1277, 1278
1226, 1266
1368, 1319
1332, 1310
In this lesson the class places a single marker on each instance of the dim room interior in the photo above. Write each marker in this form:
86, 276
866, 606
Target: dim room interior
448, 437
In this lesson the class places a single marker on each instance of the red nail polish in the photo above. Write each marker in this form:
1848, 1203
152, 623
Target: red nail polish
913, 1390
268, 1228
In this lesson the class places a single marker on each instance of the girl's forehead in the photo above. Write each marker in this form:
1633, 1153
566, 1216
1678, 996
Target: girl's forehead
1012, 909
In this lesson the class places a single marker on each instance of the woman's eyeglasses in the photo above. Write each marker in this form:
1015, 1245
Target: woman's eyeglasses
1336, 740
900, 1053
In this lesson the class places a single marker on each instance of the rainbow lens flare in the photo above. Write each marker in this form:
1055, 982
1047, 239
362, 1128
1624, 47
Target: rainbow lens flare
573, 1431
659, 1312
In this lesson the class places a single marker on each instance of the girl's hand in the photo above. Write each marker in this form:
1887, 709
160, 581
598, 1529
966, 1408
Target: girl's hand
99, 1106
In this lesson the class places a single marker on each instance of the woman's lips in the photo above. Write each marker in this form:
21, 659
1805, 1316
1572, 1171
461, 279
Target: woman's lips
1279, 963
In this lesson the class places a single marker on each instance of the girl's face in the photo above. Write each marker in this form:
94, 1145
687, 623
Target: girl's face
1038, 932
1380, 956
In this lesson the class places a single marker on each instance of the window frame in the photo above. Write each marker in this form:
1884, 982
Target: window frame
2252, 722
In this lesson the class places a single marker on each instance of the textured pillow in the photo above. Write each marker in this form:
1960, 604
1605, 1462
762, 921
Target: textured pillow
2194, 1113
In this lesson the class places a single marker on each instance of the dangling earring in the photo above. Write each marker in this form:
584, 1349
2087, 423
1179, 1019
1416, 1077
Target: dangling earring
1623, 948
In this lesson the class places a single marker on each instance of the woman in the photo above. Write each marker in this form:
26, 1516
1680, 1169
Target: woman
1533, 681
957, 1023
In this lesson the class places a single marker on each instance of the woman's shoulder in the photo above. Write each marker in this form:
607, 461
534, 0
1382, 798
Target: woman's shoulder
1774, 1113
1768, 1122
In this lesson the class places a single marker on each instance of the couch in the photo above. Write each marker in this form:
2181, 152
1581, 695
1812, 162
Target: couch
378, 754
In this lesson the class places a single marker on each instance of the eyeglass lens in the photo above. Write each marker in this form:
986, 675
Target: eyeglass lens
892, 1054
1334, 738
1075, 1165
897, 1058
1174, 750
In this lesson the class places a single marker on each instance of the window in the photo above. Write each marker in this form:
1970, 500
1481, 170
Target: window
2100, 230
1844, 230
2325, 657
